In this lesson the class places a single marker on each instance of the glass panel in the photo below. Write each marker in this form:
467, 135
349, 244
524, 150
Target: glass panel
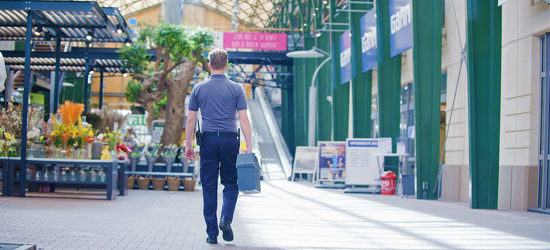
404, 95
411, 89
543, 110
444, 83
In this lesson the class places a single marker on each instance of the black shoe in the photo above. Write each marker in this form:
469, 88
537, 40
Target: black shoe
212, 240
225, 226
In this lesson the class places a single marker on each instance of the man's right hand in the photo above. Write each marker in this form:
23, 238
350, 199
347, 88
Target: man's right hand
190, 153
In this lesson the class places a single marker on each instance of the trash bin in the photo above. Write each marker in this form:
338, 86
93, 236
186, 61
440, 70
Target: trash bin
388, 183
248, 173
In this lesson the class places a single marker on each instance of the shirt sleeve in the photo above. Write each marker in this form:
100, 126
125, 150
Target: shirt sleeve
193, 102
241, 99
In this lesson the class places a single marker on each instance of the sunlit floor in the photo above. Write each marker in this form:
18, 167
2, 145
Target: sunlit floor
284, 216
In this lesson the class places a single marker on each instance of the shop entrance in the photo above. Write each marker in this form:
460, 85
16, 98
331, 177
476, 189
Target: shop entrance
544, 145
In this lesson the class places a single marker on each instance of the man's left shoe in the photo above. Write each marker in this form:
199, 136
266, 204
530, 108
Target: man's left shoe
212, 240
225, 226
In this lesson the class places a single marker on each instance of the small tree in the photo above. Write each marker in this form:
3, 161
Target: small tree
160, 87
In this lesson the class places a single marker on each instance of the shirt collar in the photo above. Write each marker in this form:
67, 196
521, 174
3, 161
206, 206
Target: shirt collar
218, 76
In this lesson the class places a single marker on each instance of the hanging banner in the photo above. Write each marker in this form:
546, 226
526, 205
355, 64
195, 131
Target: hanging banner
368, 40
345, 57
401, 30
361, 163
258, 41
332, 161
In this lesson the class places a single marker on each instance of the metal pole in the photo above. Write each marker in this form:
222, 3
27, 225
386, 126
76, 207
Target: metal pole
313, 105
57, 71
9, 87
101, 89
86, 77
26, 92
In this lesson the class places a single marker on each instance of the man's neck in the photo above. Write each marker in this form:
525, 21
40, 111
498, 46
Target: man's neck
218, 72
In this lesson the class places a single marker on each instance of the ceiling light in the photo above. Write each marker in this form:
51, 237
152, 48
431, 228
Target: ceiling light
128, 42
325, 2
313, 14
91, 72
38, 30
318, 34
316, 8
305, 24
90, 35
125, 75
305, 54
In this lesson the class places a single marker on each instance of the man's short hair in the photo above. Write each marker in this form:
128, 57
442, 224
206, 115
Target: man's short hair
217, 59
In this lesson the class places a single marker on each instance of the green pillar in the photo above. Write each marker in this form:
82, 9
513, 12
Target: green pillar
427, 25
324, 89
303, 73
287, 113
484, 35
362, 83
389, 80
300, 102
340, 97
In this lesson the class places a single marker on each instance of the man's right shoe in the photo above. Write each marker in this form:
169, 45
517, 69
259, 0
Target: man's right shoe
225, 226
212, 240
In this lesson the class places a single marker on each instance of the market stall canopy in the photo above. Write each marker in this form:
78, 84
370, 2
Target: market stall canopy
71, 20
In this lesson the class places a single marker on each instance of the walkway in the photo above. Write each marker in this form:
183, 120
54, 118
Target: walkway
284, 216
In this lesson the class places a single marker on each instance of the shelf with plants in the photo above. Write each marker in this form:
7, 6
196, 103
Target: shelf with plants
66, 141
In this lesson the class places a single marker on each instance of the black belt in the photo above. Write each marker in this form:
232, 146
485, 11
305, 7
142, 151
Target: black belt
219, 134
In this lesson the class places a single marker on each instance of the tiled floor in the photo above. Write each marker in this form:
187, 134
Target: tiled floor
284, 216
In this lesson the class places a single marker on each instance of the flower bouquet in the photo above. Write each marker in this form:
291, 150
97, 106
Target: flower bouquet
123, 151
135, 156
7, 145
169, 155
152, 155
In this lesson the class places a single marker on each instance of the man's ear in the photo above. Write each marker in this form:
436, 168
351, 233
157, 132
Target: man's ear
210, 67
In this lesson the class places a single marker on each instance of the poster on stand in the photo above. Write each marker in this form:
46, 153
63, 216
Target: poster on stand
332, 161
305, 160
361, 162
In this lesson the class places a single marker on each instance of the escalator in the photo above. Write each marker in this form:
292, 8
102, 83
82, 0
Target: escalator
267, 141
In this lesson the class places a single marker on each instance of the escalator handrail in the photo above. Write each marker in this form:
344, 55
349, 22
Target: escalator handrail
280, 144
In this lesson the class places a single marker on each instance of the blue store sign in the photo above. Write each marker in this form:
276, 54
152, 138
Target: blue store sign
368, 40
345, 57
401, 30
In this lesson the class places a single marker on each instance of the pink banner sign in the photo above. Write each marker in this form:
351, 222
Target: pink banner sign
258, 41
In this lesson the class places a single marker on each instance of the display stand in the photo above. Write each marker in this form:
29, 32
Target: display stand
110, 184
381, 169
330, 185
5, 175
369, 190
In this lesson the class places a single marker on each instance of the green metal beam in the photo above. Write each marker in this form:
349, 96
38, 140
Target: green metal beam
362, 83
389, 80
484, 35
324, 89
340, 96
427, 26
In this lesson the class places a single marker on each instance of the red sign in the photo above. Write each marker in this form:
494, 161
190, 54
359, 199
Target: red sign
258, 41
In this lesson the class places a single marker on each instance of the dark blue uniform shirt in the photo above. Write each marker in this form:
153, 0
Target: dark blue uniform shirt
218, 99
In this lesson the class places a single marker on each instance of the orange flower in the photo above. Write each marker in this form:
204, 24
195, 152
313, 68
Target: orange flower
70, 112
64, 137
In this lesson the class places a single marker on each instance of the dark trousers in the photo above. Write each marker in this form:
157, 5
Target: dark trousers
218, 156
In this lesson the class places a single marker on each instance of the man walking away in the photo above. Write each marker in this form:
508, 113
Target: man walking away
218, 99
